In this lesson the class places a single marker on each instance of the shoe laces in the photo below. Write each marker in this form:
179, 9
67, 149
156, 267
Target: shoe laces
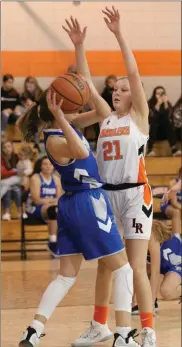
90, 332
146, 338
131, 337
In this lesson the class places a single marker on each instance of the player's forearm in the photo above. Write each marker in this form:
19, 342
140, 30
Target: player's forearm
154, 282
100, 105
81, 62
75, 145
129, 59
41, 201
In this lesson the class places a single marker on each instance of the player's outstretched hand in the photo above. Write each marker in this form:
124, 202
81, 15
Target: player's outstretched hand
54, 107
73, 29
112, 19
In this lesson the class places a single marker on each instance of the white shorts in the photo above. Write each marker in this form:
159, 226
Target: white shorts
133, 211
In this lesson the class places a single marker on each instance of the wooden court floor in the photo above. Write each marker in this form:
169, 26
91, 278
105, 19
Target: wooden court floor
23, 284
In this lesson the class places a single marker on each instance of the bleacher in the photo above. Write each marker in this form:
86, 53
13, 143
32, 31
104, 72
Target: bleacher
160, 171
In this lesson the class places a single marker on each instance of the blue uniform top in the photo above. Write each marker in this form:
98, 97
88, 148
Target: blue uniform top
171, 255
78, 174
47, 190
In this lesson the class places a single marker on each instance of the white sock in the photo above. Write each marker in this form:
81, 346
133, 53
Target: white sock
123, 331
123, 288
38, 326
52, 238
55, 292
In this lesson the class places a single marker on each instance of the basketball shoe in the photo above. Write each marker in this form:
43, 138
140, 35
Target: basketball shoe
95, 333
100, 332
148, 337
126, 341
30, 338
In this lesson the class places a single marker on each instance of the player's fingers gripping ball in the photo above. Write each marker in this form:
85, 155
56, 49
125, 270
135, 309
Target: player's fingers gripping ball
74, 91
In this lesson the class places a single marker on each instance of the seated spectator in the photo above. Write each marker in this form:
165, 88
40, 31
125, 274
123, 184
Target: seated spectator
108, 90
25, 102
45, 190
32, 90
10, 181
24, 164
177, 119
10, 102
160, 120
173, 208
164, 258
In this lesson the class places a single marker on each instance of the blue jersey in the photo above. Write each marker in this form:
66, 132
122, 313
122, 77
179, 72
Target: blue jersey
47, 190
78, 174
171, 255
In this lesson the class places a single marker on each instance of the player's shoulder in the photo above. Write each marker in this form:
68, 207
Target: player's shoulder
35, 178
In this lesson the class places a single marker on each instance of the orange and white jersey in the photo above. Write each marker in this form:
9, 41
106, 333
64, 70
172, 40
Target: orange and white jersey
120, 151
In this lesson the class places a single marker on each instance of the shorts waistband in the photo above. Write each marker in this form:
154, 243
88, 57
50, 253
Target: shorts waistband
122, 186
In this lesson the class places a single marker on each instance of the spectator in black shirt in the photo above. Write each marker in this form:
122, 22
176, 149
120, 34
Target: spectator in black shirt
108, 90
10, 98
10, 101
160, 120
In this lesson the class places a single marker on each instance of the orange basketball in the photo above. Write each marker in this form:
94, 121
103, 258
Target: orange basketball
74, 91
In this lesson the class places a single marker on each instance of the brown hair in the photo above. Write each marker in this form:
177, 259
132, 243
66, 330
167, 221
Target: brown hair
36, 118
161, 231
38, 91
110, 77
27, 151
9, 163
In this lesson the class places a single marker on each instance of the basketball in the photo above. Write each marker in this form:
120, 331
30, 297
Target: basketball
74, 91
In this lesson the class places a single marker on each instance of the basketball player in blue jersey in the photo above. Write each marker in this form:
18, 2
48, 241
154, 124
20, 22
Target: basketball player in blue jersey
85, 220
165, 259
41, 205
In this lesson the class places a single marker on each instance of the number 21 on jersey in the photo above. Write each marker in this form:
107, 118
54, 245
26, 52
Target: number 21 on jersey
112, 150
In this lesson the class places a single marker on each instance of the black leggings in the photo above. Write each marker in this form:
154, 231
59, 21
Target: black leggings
161, 128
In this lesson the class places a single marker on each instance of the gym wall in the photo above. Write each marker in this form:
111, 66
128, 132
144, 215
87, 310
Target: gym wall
33, 42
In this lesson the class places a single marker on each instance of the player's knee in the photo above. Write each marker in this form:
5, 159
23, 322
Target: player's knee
166, 293
67, 281
52, 212
103, 270
139, 269
123, 288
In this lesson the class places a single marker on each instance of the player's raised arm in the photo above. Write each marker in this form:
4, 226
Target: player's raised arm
77, 36
70, 147
139, 102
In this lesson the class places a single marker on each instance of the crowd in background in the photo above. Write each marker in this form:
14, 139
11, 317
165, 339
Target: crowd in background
165, 122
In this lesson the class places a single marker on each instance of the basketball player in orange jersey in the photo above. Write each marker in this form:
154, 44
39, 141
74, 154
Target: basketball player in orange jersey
120, 155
